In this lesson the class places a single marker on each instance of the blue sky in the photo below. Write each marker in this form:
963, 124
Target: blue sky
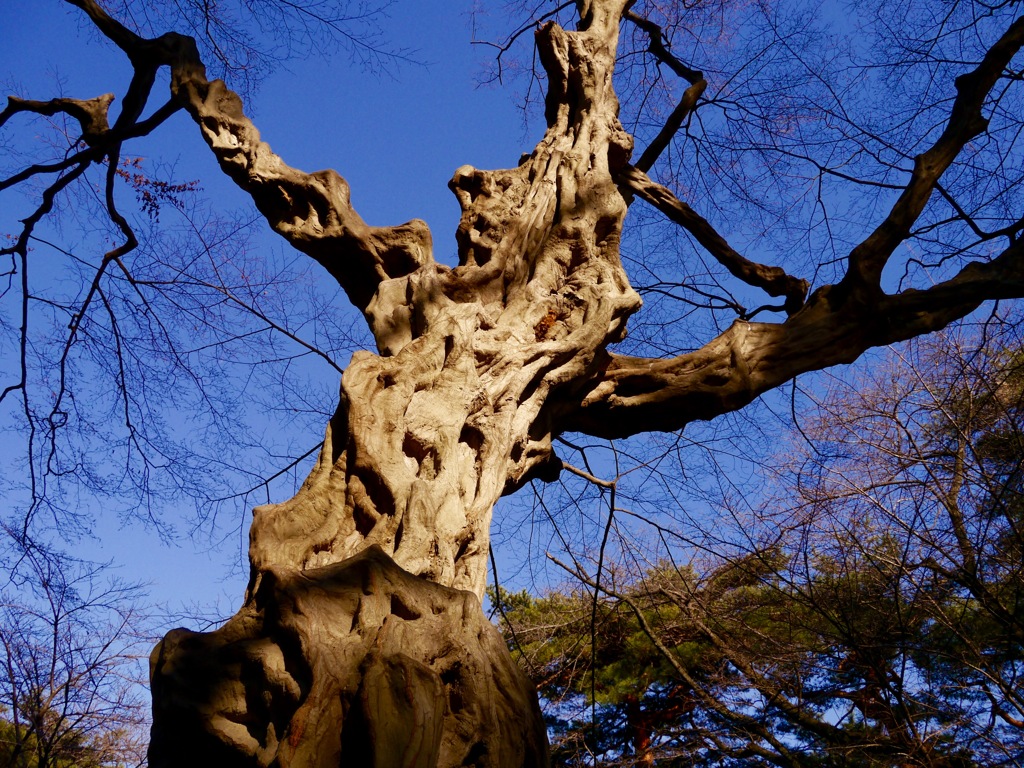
396, 138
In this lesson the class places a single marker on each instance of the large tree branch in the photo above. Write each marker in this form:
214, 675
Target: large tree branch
773, 280
633, 395
311, 210
91, 114
966, 121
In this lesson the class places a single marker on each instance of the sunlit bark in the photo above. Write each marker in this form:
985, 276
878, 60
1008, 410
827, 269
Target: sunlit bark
355, 637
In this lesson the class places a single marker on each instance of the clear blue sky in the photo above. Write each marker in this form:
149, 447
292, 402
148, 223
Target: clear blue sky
396, 139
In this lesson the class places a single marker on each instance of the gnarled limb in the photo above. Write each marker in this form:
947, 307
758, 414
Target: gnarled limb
91, 114
311, 210
634, 395
836, 325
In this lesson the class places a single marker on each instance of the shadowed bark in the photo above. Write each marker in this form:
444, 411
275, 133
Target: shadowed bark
357, 663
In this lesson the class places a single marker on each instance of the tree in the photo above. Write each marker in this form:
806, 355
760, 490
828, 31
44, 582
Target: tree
881, 626
361, 637
69, 667
937, 471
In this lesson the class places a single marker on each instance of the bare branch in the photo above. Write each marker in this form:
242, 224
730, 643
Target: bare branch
966, 121
658, 46
773, 280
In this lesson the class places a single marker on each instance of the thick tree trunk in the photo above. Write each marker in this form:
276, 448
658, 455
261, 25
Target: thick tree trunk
358, 663
362, 640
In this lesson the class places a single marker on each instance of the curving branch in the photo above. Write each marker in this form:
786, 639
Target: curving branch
658, 46
91, 114
773, 280
311, 210
966, 122
634, 394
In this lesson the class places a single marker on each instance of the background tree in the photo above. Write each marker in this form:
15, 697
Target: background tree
877, 624
361, 638
70, 667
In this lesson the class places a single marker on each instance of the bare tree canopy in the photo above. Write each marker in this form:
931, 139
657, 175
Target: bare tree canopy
69, 667
856, 192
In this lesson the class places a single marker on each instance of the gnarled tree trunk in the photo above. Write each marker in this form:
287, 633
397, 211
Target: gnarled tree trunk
361, 640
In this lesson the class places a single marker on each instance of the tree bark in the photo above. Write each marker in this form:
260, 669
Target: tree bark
357, 663
362, 639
